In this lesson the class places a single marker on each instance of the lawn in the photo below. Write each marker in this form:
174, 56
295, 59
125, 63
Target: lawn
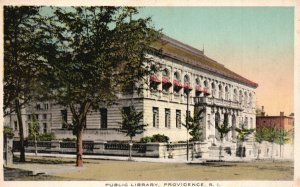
104, 170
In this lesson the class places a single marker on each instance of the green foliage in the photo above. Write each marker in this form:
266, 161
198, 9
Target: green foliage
43, 137
46, 137
160, 138
34, 127
131, 124
68, 139
243, 133
193, 124
273, 135
223, 129
8, 131
146, 139
155, 138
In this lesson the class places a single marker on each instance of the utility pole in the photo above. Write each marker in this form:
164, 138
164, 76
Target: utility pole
187, 125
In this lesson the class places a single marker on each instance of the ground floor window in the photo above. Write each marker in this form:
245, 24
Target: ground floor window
167, 118
178, 118
44, 127
103, 118
155, 117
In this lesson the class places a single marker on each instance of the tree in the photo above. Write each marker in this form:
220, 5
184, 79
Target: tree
25, 50
101, 51
223, 130
34, 130
131, 124
193, 126
243, 134
260, 136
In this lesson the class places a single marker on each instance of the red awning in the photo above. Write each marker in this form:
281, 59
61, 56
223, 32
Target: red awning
165, 80
205, 91
187, 85
198, 89
154, 78
177, 83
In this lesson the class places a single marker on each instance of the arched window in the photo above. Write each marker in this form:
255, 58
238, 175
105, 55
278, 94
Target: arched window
166, 83
220, 92
198, 88
235, 95
241, 96
250, 100
177, 84
226, 93
213, 89
246, 99
186, 84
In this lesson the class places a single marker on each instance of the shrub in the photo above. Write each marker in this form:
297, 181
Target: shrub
146, 139
8, 131
160, 138
43, 137
155, 138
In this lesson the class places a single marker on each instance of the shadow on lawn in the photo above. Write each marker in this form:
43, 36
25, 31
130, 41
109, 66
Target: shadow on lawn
214, 164
45, 161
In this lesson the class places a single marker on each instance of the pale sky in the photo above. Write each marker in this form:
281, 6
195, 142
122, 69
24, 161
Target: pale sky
255, 42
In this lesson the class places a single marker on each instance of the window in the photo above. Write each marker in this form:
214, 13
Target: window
103, 118
38, 106
28, 117
44, 127
46, 106
213, 90
29, 129
178, 118
240, 97
64, 117
155, 117
37, 117
226, 93
235, 97
16, 125
220, 92
44, 116
177, 84
167, 118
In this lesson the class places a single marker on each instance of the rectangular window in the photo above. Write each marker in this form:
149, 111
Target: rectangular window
29, 129
167, 118
16, 125
103, 118
38, 106
44, 127
46, 106
64, 117
37, 117
155, 117
44, 116
178, 119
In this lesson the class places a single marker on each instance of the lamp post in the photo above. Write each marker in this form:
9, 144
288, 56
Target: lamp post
187, 125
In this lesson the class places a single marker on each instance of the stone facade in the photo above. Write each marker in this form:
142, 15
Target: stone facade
183, 69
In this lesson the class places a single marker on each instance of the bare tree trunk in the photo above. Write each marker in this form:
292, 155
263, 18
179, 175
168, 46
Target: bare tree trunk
21, 131
79, 147
130, 149
35, 145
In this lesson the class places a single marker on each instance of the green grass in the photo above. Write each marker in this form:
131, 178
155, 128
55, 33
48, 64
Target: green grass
104, 170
